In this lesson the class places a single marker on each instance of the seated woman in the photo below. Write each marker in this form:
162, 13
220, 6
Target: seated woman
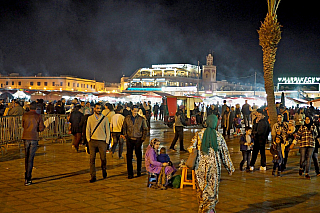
154, 166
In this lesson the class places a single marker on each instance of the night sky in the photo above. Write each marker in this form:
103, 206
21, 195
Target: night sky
107, 39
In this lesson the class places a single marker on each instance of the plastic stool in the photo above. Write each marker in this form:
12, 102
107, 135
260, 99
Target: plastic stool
152, 179
185, 181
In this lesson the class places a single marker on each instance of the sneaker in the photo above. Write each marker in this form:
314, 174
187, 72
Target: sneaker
27, 182
130, 176
263, 168
279, 174
121, 157
172, 149
308, 177
251, 168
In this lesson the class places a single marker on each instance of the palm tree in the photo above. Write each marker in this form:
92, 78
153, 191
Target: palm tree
269, 37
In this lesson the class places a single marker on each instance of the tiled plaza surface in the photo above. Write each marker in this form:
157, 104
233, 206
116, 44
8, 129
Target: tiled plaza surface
61, 183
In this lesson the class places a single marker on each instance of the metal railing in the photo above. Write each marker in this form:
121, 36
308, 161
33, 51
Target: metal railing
56, 128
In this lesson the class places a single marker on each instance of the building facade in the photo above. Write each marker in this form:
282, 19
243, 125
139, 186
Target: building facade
61, 83
182, 78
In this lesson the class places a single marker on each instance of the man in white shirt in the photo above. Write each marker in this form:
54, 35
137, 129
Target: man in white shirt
116, 128
98, 136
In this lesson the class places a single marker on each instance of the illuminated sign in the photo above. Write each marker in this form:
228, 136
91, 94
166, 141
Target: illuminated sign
299, 80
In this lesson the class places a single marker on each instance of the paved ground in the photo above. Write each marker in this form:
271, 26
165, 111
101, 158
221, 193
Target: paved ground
61, 184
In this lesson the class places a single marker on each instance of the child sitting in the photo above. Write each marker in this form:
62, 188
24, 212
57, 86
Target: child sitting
277, 152
246, 143
164, 157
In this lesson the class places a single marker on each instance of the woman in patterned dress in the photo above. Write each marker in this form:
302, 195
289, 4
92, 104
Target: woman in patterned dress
212, 151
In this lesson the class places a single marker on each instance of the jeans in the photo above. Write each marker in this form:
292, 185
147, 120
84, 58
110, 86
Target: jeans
246, 156
102, 146
136, 146
305, 158
178, 134
246, 119
30, 148
116, 141
256, 149
315, 162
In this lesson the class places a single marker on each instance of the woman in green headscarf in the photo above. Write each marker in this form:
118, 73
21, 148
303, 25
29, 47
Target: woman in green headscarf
212, 151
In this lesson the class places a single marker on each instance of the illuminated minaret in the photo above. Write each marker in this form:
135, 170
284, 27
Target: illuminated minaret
209, 74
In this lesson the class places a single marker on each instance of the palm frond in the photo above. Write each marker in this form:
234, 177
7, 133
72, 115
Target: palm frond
273, 6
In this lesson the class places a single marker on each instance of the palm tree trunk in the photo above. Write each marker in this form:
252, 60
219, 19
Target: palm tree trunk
269, 56
269, 37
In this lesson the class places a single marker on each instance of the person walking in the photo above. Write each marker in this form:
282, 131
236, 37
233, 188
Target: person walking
156, 111
306, 136
161, 108
246, 113
135, 130
227, 122
179, 123
98, 135
32, 124
76, 128
116, 128
260, 135
212, 154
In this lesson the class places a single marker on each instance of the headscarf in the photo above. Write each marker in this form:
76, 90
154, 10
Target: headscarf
210, 135
309, 124
153, 142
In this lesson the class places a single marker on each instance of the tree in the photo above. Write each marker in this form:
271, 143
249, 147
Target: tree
269, 38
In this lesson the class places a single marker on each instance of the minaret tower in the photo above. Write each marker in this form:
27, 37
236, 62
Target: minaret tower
209, 74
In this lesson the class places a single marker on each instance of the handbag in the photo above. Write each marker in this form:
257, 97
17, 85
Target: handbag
191, 161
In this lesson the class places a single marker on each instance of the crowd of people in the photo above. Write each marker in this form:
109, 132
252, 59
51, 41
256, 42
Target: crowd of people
105, 127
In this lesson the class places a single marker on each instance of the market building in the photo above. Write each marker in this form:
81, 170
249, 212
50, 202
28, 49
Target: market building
50, 83
180, 79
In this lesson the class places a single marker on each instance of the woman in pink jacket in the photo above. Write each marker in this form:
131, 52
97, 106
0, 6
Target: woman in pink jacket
154, 166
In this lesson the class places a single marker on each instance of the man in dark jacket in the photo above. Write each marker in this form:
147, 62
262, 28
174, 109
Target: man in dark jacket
135, 130
246, 113
260, 133
76, 128
32, 123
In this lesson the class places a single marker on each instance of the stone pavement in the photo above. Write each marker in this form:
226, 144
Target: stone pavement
61, 184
